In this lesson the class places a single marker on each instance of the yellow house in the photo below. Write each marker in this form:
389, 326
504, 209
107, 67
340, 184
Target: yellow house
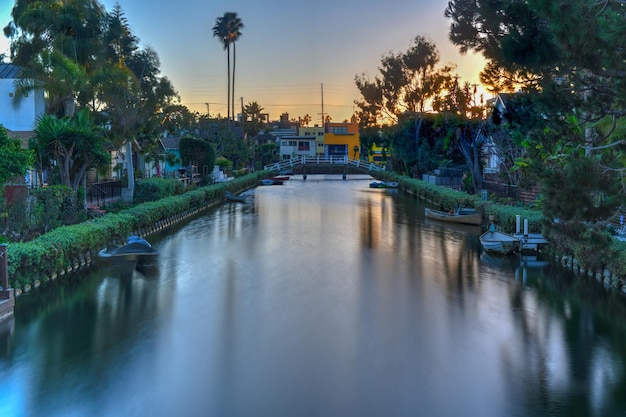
379, 154
342, 139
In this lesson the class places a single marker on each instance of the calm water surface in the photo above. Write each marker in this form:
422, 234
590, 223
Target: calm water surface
318, 298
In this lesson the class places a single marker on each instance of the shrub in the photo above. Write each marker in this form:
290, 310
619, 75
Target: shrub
155, 188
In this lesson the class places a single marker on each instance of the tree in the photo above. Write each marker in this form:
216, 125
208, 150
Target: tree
199, 151
59, 45
131, 90
305, 120
253, 115
14, 160
573, 57
408, 81
227, 30
73, 143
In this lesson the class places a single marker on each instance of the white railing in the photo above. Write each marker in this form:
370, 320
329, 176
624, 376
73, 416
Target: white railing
322, 160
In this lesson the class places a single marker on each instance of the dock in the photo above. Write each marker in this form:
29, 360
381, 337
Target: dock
530, 241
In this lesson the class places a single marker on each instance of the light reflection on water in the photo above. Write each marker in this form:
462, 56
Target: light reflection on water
319, 298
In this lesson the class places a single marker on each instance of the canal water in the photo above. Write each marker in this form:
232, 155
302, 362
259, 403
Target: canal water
321, 297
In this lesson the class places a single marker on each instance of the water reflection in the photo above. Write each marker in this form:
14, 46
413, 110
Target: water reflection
319, 297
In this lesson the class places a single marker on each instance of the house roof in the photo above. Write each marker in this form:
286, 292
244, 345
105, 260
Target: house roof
10, 71
23, 136
170, 143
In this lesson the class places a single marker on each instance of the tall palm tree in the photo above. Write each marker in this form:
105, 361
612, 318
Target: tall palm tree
227, 30
234, 34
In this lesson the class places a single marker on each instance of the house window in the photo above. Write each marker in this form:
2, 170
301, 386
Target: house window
303, 146
292, 143
339, 130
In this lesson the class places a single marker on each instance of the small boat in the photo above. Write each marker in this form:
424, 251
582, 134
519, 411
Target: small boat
280, 178
136, 248
270, 181
384, 184
376, 184
499, 243
459, 215
235, 198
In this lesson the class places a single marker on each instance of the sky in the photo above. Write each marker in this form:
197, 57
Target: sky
293, 56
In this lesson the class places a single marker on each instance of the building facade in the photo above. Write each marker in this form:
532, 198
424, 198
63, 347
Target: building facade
342, 139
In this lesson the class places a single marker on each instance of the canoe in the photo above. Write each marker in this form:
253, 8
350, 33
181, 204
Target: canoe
499, 243
462, 215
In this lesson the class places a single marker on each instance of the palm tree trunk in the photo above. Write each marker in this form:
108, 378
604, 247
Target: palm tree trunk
233, 95
228, 65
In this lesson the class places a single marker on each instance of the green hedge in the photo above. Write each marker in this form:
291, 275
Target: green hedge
504, 217
56, 251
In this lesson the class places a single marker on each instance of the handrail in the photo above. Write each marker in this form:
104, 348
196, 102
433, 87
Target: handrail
317, 160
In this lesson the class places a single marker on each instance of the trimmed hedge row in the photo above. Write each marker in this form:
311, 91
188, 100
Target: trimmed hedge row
613, 261
69, 247
503, 216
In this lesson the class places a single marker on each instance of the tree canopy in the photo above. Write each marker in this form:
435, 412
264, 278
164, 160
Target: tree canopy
408, 82
569, 60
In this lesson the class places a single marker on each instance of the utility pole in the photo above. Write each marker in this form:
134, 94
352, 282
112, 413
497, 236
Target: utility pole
208, 114
243, 120
323, 114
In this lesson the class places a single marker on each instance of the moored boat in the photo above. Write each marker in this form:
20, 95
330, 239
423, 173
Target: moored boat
499, 243
135, 249
269, 181
235, 198
377, 184
460, 215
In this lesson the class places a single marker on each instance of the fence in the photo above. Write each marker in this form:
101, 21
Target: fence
99, 193
501, 190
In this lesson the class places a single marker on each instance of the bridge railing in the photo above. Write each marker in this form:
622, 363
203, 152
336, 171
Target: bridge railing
323, 160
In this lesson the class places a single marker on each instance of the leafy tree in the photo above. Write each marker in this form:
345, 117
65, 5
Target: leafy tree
197, 151
58, 44
131, 90
408, 81
14, 160
571, 58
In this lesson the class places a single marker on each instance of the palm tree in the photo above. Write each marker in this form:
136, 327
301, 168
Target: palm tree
227, 30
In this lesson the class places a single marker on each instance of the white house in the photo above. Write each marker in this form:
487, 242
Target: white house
19, 116
295, 146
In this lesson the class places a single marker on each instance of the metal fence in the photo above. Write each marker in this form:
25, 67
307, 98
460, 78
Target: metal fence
99, 193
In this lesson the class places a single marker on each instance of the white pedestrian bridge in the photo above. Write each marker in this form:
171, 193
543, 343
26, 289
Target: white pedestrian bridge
324, 161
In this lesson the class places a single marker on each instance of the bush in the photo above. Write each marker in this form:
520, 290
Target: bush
155, 188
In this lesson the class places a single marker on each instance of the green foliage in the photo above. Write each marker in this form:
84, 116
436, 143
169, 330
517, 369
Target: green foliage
407, 82
14, 160
54, 207
197, 151
152, 189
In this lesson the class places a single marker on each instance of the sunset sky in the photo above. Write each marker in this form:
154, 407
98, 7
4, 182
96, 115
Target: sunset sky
287, 51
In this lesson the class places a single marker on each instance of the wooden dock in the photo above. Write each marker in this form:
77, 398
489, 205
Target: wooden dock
531, 241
